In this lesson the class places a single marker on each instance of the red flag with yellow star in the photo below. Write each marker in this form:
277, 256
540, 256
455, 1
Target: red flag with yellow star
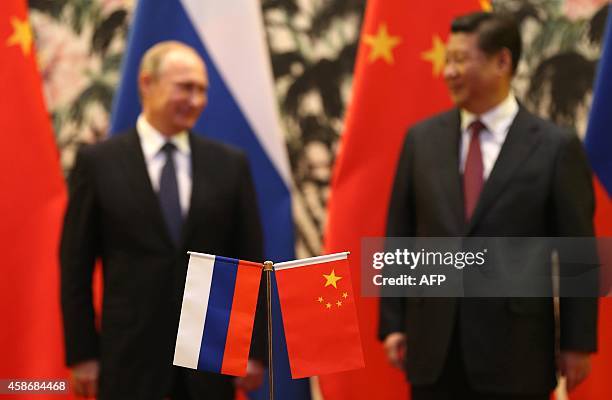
398, 81
32, 204
318, 309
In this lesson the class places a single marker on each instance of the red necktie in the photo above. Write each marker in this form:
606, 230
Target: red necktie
473, 174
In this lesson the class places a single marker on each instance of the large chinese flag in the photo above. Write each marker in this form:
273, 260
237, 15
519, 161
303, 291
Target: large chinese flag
599, 149
32, 204
318, 308
398, 81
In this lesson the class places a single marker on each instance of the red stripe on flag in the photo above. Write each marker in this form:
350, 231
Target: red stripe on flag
242, 316
603, 210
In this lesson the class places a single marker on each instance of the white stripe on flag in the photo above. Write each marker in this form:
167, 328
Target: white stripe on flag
204, 255
193, 312
312, 260
233, 33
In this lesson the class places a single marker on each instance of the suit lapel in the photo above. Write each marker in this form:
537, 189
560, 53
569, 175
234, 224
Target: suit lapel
201, 164
447, 153
141, 188
520, 142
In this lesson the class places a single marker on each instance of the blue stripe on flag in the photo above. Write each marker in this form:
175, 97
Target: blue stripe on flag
218, 314
598, 140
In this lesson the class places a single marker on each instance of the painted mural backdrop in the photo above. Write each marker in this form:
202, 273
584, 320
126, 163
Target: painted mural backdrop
313, 43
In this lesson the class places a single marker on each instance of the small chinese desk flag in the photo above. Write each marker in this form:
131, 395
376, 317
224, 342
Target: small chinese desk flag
319, 315
217, 315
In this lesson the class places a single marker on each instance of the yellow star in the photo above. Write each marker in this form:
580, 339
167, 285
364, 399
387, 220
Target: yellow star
338, 303
382, 44
435, 55
331, 279
320, 299
345, 295
328, 305
22, 35
486, 5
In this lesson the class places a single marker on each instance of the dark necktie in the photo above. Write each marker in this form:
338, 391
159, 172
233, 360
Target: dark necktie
473, 174
169, 195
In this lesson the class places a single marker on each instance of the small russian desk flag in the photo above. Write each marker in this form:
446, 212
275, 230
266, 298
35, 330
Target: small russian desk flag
217, 315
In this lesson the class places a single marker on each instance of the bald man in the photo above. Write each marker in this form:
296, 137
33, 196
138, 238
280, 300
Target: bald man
139, 201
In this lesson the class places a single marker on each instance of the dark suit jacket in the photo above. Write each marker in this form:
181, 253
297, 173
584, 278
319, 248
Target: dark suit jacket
540, 186
114, 214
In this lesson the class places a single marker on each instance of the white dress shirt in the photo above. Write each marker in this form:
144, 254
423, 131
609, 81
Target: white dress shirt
497, 122
151, 141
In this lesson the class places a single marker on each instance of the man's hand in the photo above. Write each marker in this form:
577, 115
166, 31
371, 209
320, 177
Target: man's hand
575, 366
395, 345
254, 376
85, 378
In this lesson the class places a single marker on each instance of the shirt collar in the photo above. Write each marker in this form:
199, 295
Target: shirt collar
152, 140
497, 120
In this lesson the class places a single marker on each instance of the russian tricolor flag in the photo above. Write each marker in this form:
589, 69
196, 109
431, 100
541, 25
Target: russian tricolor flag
217, 316
242, 110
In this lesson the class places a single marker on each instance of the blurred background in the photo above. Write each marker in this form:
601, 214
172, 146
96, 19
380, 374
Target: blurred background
313, 44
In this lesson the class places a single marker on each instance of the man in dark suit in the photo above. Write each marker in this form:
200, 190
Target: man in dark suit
488, 168
139, 201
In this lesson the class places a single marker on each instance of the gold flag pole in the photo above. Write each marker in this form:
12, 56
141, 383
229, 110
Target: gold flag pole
269, 268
